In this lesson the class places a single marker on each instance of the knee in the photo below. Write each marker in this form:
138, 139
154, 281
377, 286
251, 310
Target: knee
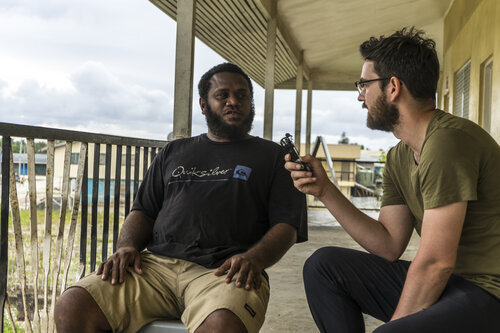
67, 309
329, 265
222, 320
64, 305
317, 261
76, 311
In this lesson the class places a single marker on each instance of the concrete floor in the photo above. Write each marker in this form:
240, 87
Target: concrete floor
288, 310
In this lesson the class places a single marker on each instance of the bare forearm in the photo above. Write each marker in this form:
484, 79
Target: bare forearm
248, 266
136, 232
368, 232
134, 236
387, 237
274, 244
423, 286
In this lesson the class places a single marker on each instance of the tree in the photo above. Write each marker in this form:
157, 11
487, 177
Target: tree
40, 146
344, 140
383, 156
16, 146
19, 144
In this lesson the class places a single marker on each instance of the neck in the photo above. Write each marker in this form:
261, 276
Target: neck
412, 126
216, 138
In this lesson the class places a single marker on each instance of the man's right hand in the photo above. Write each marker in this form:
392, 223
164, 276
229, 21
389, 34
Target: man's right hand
117, 264
315, 182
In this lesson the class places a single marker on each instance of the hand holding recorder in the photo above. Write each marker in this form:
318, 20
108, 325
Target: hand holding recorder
308, 174
287, 143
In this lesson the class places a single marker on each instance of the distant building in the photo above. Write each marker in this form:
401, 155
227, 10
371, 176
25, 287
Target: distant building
369, 168
75, 157
344, 165
21, 164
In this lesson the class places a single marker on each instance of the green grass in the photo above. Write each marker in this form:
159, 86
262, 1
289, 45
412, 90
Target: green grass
7, 327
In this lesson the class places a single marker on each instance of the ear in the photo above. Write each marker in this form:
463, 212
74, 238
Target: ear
203, 105
395, 87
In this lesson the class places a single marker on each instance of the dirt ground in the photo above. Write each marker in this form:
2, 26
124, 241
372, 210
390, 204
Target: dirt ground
288, 310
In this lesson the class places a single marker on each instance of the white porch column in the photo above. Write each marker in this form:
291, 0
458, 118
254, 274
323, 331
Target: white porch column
308, 120
269, 83
184, 57
298, 101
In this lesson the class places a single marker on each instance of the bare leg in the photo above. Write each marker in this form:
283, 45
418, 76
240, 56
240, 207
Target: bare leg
222, 321
76, 311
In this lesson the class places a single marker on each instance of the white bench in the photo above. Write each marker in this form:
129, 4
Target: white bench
164, 326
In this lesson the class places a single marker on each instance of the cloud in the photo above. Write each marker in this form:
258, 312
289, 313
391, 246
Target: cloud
333, 112
109, 67
97, 102
46, 40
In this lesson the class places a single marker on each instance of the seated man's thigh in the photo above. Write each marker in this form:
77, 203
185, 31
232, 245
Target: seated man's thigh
140, 299
462, 308
206, 293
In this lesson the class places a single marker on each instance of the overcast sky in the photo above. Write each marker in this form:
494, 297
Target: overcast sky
108, 67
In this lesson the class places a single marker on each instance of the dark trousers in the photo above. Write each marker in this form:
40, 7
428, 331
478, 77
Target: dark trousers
341, 284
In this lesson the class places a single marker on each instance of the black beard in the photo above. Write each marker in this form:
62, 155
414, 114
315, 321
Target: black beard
230, 132
386, 115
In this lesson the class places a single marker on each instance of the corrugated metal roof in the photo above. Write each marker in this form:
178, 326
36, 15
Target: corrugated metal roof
237, 30
328, 32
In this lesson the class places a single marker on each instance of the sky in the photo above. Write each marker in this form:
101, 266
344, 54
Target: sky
108, 67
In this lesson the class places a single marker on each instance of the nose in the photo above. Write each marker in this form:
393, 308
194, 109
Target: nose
361, 96
232, 100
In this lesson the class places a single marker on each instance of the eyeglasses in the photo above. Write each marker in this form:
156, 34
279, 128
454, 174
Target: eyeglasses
361, 84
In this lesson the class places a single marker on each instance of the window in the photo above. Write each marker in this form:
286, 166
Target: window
487, 79
102, 159
75, 158
346, 174
462, 84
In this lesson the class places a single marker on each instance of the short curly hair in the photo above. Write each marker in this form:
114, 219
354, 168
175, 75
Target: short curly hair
204, 84
407, 55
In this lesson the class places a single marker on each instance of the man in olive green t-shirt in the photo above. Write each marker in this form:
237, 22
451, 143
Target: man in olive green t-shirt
442, 179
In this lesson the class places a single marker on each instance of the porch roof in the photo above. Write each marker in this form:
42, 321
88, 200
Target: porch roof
328, 32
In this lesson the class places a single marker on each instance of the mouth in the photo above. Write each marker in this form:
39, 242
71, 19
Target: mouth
233, 114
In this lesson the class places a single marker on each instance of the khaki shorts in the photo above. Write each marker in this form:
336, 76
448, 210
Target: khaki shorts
174, 289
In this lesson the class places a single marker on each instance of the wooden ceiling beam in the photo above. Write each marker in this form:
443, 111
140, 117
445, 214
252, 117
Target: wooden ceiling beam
284, 31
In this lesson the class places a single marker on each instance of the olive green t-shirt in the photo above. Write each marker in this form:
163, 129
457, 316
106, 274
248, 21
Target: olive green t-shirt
459, 161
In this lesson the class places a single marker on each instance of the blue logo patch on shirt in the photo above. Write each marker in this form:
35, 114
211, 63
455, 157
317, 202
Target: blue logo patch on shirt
242, 172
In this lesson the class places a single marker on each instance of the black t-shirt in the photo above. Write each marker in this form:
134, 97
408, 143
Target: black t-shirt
211, 200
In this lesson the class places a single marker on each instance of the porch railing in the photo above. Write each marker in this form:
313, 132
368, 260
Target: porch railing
38, 279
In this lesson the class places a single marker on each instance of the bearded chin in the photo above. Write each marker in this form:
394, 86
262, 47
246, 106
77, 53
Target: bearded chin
384, 116
231, 132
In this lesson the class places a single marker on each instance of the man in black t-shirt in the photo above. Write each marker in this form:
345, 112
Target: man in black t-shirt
213, 212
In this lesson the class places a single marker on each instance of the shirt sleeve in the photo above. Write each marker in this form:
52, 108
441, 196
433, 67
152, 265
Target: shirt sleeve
391, 194
149, 198
449, 168
286, 203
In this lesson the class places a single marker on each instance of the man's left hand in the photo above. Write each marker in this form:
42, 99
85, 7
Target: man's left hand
246, 267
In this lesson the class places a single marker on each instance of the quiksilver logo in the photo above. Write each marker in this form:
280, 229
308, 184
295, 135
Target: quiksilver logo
181, 171
242, 172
